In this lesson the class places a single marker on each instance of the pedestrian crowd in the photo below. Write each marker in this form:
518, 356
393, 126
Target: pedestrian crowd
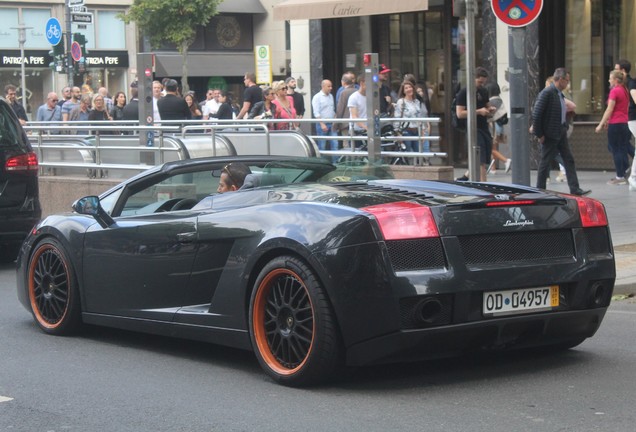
82, 104
336, 114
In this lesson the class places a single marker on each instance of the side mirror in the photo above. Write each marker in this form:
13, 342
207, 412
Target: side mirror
87, 205
90, 206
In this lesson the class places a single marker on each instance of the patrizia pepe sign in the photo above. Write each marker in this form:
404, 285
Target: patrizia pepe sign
37, 58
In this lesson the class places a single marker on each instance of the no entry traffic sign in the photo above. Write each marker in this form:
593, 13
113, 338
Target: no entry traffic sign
76, 51
517, 13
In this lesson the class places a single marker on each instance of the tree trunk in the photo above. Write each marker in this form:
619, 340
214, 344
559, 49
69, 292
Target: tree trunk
185, 88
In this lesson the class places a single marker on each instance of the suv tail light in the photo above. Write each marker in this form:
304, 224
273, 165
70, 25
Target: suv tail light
27, 163
404, 220
592, 212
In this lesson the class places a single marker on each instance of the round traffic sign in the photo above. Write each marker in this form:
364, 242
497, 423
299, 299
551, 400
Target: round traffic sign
76, 51
53, 31
517, 13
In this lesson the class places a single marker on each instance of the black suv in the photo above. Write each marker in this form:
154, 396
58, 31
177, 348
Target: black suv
19, 200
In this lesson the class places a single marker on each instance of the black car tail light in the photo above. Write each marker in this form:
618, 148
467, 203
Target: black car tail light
592, 212
404, 220
25, 163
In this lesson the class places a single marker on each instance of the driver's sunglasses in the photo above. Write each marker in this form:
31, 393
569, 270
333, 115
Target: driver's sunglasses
226, 169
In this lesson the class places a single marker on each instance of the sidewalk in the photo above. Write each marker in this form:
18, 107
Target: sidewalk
620, 205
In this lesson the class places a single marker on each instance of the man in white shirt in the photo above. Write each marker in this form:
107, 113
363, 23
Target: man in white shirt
324, 107
212, 105
357, 105
156, 95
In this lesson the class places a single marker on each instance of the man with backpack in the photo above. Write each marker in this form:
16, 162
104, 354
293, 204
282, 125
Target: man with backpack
483, 111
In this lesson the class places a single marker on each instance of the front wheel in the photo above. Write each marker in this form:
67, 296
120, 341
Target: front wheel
53, 292
292, 327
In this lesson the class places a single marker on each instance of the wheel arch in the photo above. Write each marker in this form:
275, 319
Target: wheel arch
279, 247
69, 234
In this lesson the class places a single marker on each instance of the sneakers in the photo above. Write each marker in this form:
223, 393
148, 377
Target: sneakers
617, 181
632, 184
462, 178
508, 164
561, 177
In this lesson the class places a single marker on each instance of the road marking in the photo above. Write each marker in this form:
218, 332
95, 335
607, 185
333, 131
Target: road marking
5, 399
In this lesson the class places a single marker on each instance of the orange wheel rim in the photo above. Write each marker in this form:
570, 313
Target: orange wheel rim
49, 286
283, 320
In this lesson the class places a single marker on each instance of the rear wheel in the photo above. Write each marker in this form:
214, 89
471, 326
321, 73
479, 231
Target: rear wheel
53, 292
292, 327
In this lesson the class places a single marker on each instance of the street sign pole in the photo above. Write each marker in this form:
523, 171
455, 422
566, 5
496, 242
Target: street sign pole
517, 14
21, 40
518, 77
69, 41
474, 169
371, 69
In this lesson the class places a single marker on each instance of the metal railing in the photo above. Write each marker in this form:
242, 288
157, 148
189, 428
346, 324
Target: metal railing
79, 151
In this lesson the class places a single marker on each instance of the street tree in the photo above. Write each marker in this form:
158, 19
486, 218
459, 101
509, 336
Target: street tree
172, 21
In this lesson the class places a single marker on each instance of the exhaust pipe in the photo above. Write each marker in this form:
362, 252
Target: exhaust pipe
428, 311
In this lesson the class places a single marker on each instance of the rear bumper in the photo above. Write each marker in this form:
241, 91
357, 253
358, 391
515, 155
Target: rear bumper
15, 227
498, 333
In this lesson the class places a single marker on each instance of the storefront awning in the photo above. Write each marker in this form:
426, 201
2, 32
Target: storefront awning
241, 6
202, 64
320, 9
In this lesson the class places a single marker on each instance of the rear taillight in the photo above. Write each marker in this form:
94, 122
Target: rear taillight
592, 212
404, 220
27, 163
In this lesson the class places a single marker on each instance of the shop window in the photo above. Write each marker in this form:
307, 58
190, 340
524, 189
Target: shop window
598, 34
35, 36
111, 31
8, 36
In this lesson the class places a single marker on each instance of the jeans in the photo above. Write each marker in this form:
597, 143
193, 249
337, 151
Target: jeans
618, 143
333, 144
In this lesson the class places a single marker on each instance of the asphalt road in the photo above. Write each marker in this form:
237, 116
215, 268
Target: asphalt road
109, 381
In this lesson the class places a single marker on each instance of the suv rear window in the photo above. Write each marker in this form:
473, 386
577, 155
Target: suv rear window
10, 136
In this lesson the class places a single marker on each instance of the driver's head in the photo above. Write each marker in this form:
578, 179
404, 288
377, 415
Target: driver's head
232, 177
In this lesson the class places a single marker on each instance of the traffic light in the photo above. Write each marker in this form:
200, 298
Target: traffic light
81, 39
58, 54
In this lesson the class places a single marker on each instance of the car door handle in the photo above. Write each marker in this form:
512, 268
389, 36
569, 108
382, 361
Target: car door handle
187, 237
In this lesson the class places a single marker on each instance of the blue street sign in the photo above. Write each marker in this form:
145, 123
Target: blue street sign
53, 31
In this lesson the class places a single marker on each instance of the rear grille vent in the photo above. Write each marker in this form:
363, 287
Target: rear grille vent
416, 254
515, 247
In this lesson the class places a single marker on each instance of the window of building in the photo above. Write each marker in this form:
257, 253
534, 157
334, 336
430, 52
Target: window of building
111, 31
598, 34
8, 36
35, 36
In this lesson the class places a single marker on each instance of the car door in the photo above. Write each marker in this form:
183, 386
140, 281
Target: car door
140, 267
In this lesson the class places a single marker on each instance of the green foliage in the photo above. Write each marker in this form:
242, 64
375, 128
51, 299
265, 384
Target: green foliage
172, 21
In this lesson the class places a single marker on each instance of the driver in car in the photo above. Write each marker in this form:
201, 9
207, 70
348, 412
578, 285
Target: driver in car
232, 177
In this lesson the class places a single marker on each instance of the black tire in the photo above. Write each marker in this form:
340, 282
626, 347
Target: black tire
292, 326
53, 291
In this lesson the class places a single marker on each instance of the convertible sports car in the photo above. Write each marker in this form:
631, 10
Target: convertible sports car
314, 266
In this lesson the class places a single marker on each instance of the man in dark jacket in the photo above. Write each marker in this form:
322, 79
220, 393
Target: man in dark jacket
171, 106
550, 126
18, 109
131, 110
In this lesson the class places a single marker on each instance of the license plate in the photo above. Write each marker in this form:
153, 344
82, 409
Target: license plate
521, 300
